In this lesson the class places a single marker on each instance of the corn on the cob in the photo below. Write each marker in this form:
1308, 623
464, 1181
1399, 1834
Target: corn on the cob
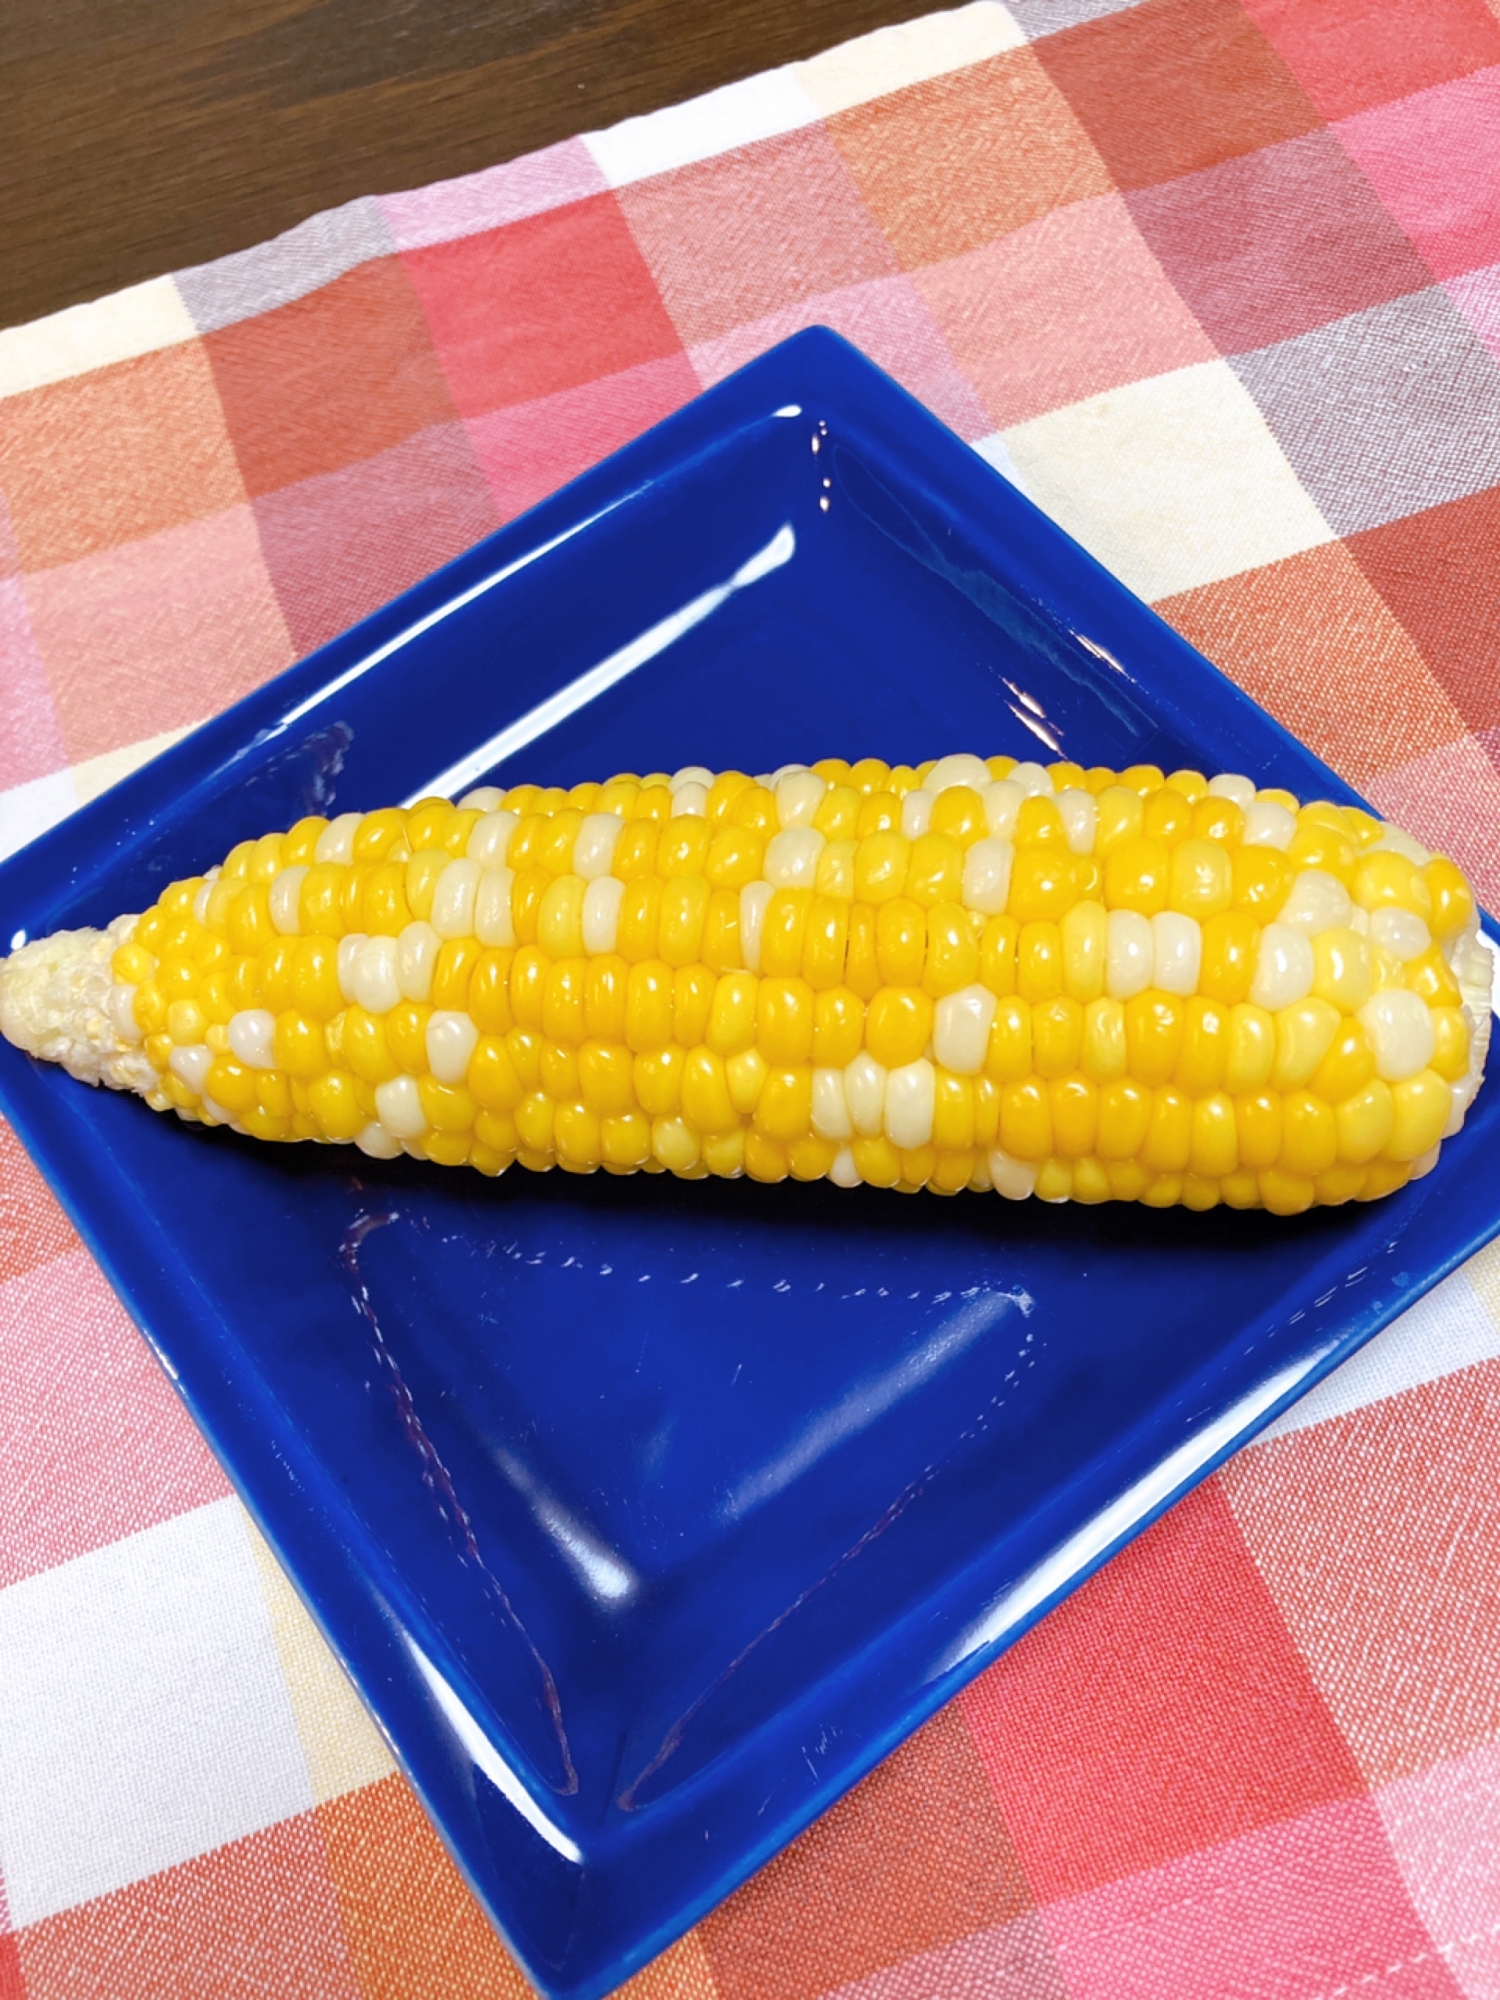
1075, 984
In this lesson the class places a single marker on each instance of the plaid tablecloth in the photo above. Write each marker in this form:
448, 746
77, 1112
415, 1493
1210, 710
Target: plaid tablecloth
1219, 279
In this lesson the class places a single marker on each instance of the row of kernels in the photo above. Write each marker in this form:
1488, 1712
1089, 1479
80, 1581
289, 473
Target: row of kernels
1282, 1193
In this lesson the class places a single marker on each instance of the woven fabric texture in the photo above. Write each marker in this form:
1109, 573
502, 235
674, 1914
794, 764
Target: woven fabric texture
1220, 281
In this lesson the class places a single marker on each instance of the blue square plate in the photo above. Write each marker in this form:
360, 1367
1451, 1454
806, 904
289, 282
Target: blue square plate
648, 1515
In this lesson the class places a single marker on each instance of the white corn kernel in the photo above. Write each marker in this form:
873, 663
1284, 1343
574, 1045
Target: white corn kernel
489, 838
1129, 954
285, 896
1268, 824
451, 1040
1394, 841
798, 796
987, 866
377, 1142
843, 1173
1460, 1111
375, 983
1001, 801
1080, 818
1399, 1027
782, 771
1035, 780
1176, 952
192, 1063
1424, 1163
1015, 1179
979, 1180
1402, 933
910, 1100
1316, 902
484, 799
493, 923
916, 813
1230, 785
691, 774
864, 1092
453, 899
205, 890
416, 959
690, 802
336, 841
348, 959
398, 1105
755, 899
830, 1108
1284, 968
601, 914
251, 1037
594, 849
120, 1007
957, 770
961, 1029
792, 857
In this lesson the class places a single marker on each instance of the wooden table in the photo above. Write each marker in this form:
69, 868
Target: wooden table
137, 136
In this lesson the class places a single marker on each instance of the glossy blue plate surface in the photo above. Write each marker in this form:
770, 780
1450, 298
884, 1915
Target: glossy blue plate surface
648, 1515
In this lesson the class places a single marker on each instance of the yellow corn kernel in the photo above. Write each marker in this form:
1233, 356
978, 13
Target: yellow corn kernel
1262, 877
1450, 1029
1218, 819
1365, 1118
558, 1071
835, 876
1125, 1108
731, 1021
1102, 1054
606, 1083
1201, 884
1286, 1194
635, 851
229, 1083
528, 985
625, 1140
1039, 961
784, 1108
958, 813
898, 1025
1074, 1104
1391, 881
861, 968
1137, 876
1451, 899
447, 1107
722, 794
952, 1113
755, 807
838, 1028
1257, 1119
1304, 1035
880, 867
1042, 887
721, 931
365, 1047
783, 938
1421, 1107
186, 1022
1153, 1035
684, 906
528, 893
1026, 1120
1119, 818
1430, 977
935, 870
826, 941
745, 1074
837, 813
706, 1103
1338, 1184
1205, 1046
901, 942
684, 847
952, 948
1054, 1181
765, 1158
299, 1046
1346, 1067
492, 1079
724, 1152
784, 1020
1309, 1134
736, 855
658, 1081
1083, 932
1008, 1057
606, 993
1214, 1149
1252, 1048
406, 1036
997, 955
638, 926
1169, 1131
559, 929
1342, 968
385, 912
1167, 816
1056, 1036
648, 1005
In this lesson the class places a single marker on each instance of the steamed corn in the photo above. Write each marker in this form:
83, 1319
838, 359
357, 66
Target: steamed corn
971, 974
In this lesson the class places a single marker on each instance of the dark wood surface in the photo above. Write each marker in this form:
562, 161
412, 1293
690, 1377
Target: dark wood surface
140, 135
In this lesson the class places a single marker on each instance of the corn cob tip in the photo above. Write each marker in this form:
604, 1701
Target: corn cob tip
59, 1001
